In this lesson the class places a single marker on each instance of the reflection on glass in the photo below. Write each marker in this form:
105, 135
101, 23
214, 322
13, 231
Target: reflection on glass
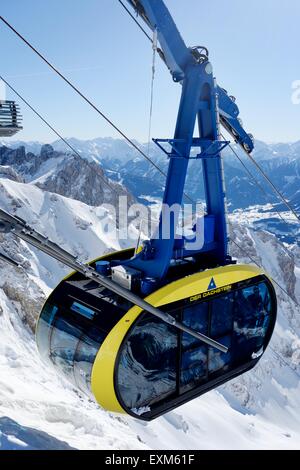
253, 308
156, 362
218, 361
70, 341
147, 368
196, 317
222, 309
193, 367
44, 330
193, 352
64, 340
84, 358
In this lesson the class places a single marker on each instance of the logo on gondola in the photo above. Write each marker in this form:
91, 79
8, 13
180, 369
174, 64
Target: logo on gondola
212, 284
211, 291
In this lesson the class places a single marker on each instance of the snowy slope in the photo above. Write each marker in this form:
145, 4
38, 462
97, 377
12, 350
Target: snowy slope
38, 409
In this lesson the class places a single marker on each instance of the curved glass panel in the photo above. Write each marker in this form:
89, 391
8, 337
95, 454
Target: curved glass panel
218, 361
73, 325
84, 359
158, 364
63, 344
147, 371
222, 311
252, 319
70, 342
193, 368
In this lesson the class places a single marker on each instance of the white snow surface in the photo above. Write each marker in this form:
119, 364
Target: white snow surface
39, 409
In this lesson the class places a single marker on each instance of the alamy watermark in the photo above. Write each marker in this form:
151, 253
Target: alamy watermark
296, 92
137, 221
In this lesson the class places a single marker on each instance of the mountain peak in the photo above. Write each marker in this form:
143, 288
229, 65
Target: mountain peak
47, 151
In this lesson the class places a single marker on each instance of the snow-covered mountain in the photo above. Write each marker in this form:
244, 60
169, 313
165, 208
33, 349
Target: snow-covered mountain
62, 173
108, 148
124, 164
38, 409
101, 148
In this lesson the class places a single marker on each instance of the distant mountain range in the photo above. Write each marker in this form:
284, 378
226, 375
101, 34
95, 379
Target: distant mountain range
108, 148
55, 171
124, 164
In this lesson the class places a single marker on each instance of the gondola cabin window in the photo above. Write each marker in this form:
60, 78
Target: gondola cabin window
158, 363
193, 364
147, 369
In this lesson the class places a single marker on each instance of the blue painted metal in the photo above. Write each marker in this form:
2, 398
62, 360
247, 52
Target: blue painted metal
204, 101
157, 16
103, 267
148, 285
209, 148
229, 113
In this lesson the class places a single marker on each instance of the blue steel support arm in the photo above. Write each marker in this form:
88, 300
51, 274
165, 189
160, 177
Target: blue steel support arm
229, 113
177, 55
198, 100
201, 99
157, 264
156, 15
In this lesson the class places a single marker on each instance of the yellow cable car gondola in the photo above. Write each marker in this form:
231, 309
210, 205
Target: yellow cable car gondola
134, 363
144, 332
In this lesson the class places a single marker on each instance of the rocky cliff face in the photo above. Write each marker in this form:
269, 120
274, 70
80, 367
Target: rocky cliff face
9, 173
265, 250
62, 173
84, 181
89, 229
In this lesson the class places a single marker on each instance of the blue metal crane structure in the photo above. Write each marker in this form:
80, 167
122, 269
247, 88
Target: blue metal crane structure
206, 103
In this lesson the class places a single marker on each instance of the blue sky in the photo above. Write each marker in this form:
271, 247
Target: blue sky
254, 48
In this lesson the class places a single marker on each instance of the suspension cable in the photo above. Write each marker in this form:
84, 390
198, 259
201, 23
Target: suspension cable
117, 128
135, 20
231, 147
284, 361
133, 144
262, 189
279, 194
51, 127
154, 49
87, 100
158, 50
256, 182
